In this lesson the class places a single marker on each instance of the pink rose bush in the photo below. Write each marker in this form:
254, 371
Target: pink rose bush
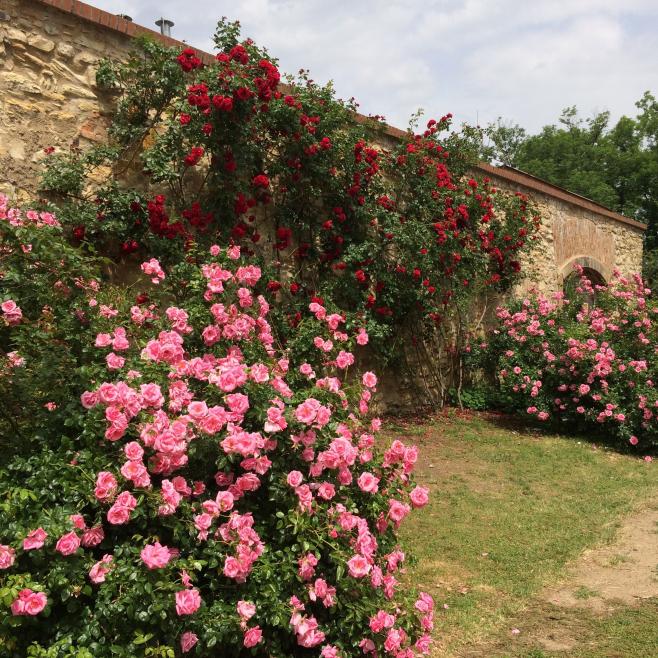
207, 494
588, 361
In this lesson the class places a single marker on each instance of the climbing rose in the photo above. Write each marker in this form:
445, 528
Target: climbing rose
35, 539
68, 544
155, 556
187, 641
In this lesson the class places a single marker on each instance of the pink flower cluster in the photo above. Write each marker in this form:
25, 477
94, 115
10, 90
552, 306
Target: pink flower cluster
177, 382
588, 360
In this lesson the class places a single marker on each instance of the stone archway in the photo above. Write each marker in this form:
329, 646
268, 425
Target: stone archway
591, 268
599, 273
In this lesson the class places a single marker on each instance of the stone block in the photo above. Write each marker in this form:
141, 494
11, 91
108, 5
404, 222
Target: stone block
15, 35
65, 50
41, 43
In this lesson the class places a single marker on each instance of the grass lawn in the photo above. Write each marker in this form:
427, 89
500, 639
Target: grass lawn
510, 507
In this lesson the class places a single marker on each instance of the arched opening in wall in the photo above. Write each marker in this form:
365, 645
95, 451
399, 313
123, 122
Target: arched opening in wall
573, 281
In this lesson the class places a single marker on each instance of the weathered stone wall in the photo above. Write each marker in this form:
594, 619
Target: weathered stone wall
49, 98
572, 234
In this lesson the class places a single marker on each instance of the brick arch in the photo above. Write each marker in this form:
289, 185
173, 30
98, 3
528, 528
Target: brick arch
582, 241
588, 262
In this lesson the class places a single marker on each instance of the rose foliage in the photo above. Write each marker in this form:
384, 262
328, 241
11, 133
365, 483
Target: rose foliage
587, 361
173, 483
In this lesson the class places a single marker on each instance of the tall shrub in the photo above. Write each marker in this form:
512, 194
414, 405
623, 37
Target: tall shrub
205, 494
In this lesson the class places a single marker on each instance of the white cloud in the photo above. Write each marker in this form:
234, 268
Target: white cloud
477, 59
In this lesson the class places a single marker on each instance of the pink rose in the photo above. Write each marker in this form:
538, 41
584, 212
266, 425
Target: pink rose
29, 603
369, 379
188, 601
118, 515
35, 539
68, 544
106, 485
155, 556
294, 478
98, 572
7, 556
252, 637
89, 399
133, 451
92, 536
246, 609
187, 641
358, 566
419, 497
368, 482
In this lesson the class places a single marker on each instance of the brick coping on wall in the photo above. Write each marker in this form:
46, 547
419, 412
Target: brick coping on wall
509, 174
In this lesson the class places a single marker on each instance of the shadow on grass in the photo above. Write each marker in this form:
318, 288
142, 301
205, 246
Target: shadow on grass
516, 422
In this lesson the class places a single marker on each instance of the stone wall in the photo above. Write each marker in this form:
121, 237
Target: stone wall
573, 231
48, 53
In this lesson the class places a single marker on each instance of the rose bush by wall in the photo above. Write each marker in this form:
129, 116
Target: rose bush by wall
396, 230
203, 493
587, 362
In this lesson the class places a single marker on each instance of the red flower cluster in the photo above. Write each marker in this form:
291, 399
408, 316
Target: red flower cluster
188, 60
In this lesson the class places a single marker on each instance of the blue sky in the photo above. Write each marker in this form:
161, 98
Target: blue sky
479, 59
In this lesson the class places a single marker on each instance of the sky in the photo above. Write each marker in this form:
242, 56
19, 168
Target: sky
520, 60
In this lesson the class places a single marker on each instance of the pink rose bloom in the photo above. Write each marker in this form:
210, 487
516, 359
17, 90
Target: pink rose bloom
106, 485
155, 556
294, 478
29, 603
78, 521
419, 497
12, 312
358, 566
68, 544
369, 379
187, 641
197, 409
368, 482
133, 451
118, 515
7, 556
89, 399
98, 572
35, 539
92, 536
114, 361
188, 601
326, 491
633, 440
329, 651
246, 609
252, 637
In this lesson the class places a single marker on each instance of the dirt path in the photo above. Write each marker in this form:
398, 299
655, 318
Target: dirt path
603, 579
623, 572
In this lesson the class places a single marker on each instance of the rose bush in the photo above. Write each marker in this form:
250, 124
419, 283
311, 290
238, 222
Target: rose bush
44, 322
204, 494
587, 361
395, 230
